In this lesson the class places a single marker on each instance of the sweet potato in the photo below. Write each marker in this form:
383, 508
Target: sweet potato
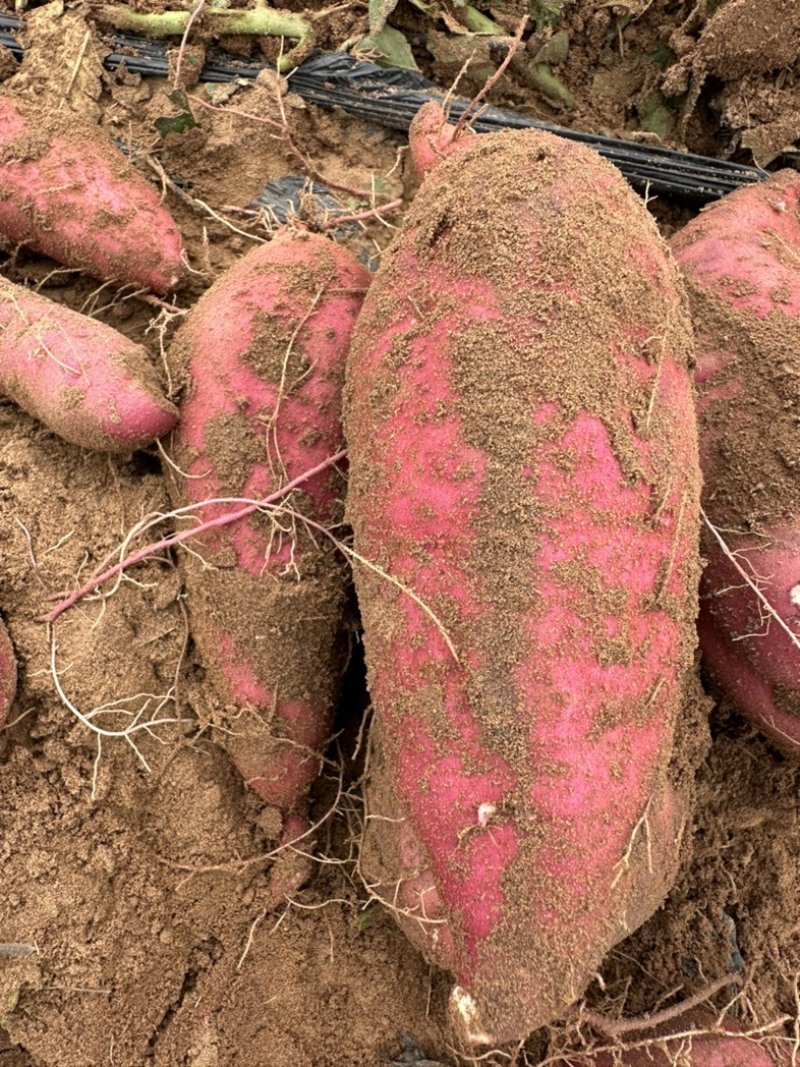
704, 1051
523, 459
8, 673
85, 381
431, 138
263, 354
67, 192
696, 1040
741, 261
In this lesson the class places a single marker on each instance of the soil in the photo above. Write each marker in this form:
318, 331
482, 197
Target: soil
137, 870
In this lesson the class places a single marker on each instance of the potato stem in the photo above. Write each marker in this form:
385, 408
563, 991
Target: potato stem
261, 21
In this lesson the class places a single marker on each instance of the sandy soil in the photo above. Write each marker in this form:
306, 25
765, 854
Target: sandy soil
139, 874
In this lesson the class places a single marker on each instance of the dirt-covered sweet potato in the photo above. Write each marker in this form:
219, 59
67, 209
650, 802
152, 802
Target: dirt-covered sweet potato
699, 1039
708, 1050
8, 673
85, 381
67, 192
263, 355
523, 459
741, 261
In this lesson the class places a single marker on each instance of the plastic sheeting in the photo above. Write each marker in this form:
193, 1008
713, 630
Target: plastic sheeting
389, 97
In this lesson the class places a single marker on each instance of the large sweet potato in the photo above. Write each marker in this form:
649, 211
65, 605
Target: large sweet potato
66, 191
523, 454
741, 261
85, 381
263, 355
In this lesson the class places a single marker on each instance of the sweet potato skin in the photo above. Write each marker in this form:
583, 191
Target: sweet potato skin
8, 673
740, 261
74, 197
431, 138
706, 1051
81, 378
263, 353
523, 458
712, 1044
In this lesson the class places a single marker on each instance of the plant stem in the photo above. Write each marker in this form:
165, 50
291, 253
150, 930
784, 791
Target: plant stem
225, 519
479, 23
615, 1027
539, 76
262, 22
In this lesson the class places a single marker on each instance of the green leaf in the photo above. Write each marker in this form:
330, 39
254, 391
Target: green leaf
545, 13
176, 124
554, 50
379, 11
663, 56
478, 23
655, 116
366, 917
392, 48
179, 123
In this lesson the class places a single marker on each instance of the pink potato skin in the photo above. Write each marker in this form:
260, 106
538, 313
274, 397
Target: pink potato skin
702, 1049
8, 673
70, 194
740, 260
707, 1051
267, 618
81, 378
431, 138
521, 816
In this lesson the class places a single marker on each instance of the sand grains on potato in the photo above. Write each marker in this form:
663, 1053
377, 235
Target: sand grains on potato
523, 456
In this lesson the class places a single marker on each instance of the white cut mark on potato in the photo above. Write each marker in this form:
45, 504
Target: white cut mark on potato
465, 1010
485, 812
794, 594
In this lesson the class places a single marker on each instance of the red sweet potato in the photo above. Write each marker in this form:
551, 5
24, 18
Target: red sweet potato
67, 192
85, 381
431, 138
523, 458
263, 355
8, 673
696, 1040
741, 261
704, 1051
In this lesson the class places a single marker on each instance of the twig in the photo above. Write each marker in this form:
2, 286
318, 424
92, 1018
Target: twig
31, 556
226, 222
226, 519
515, 43
81, 53
374, 212
614, 1028
136, 725
14, 948
729, 554
176, 81
284, 135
